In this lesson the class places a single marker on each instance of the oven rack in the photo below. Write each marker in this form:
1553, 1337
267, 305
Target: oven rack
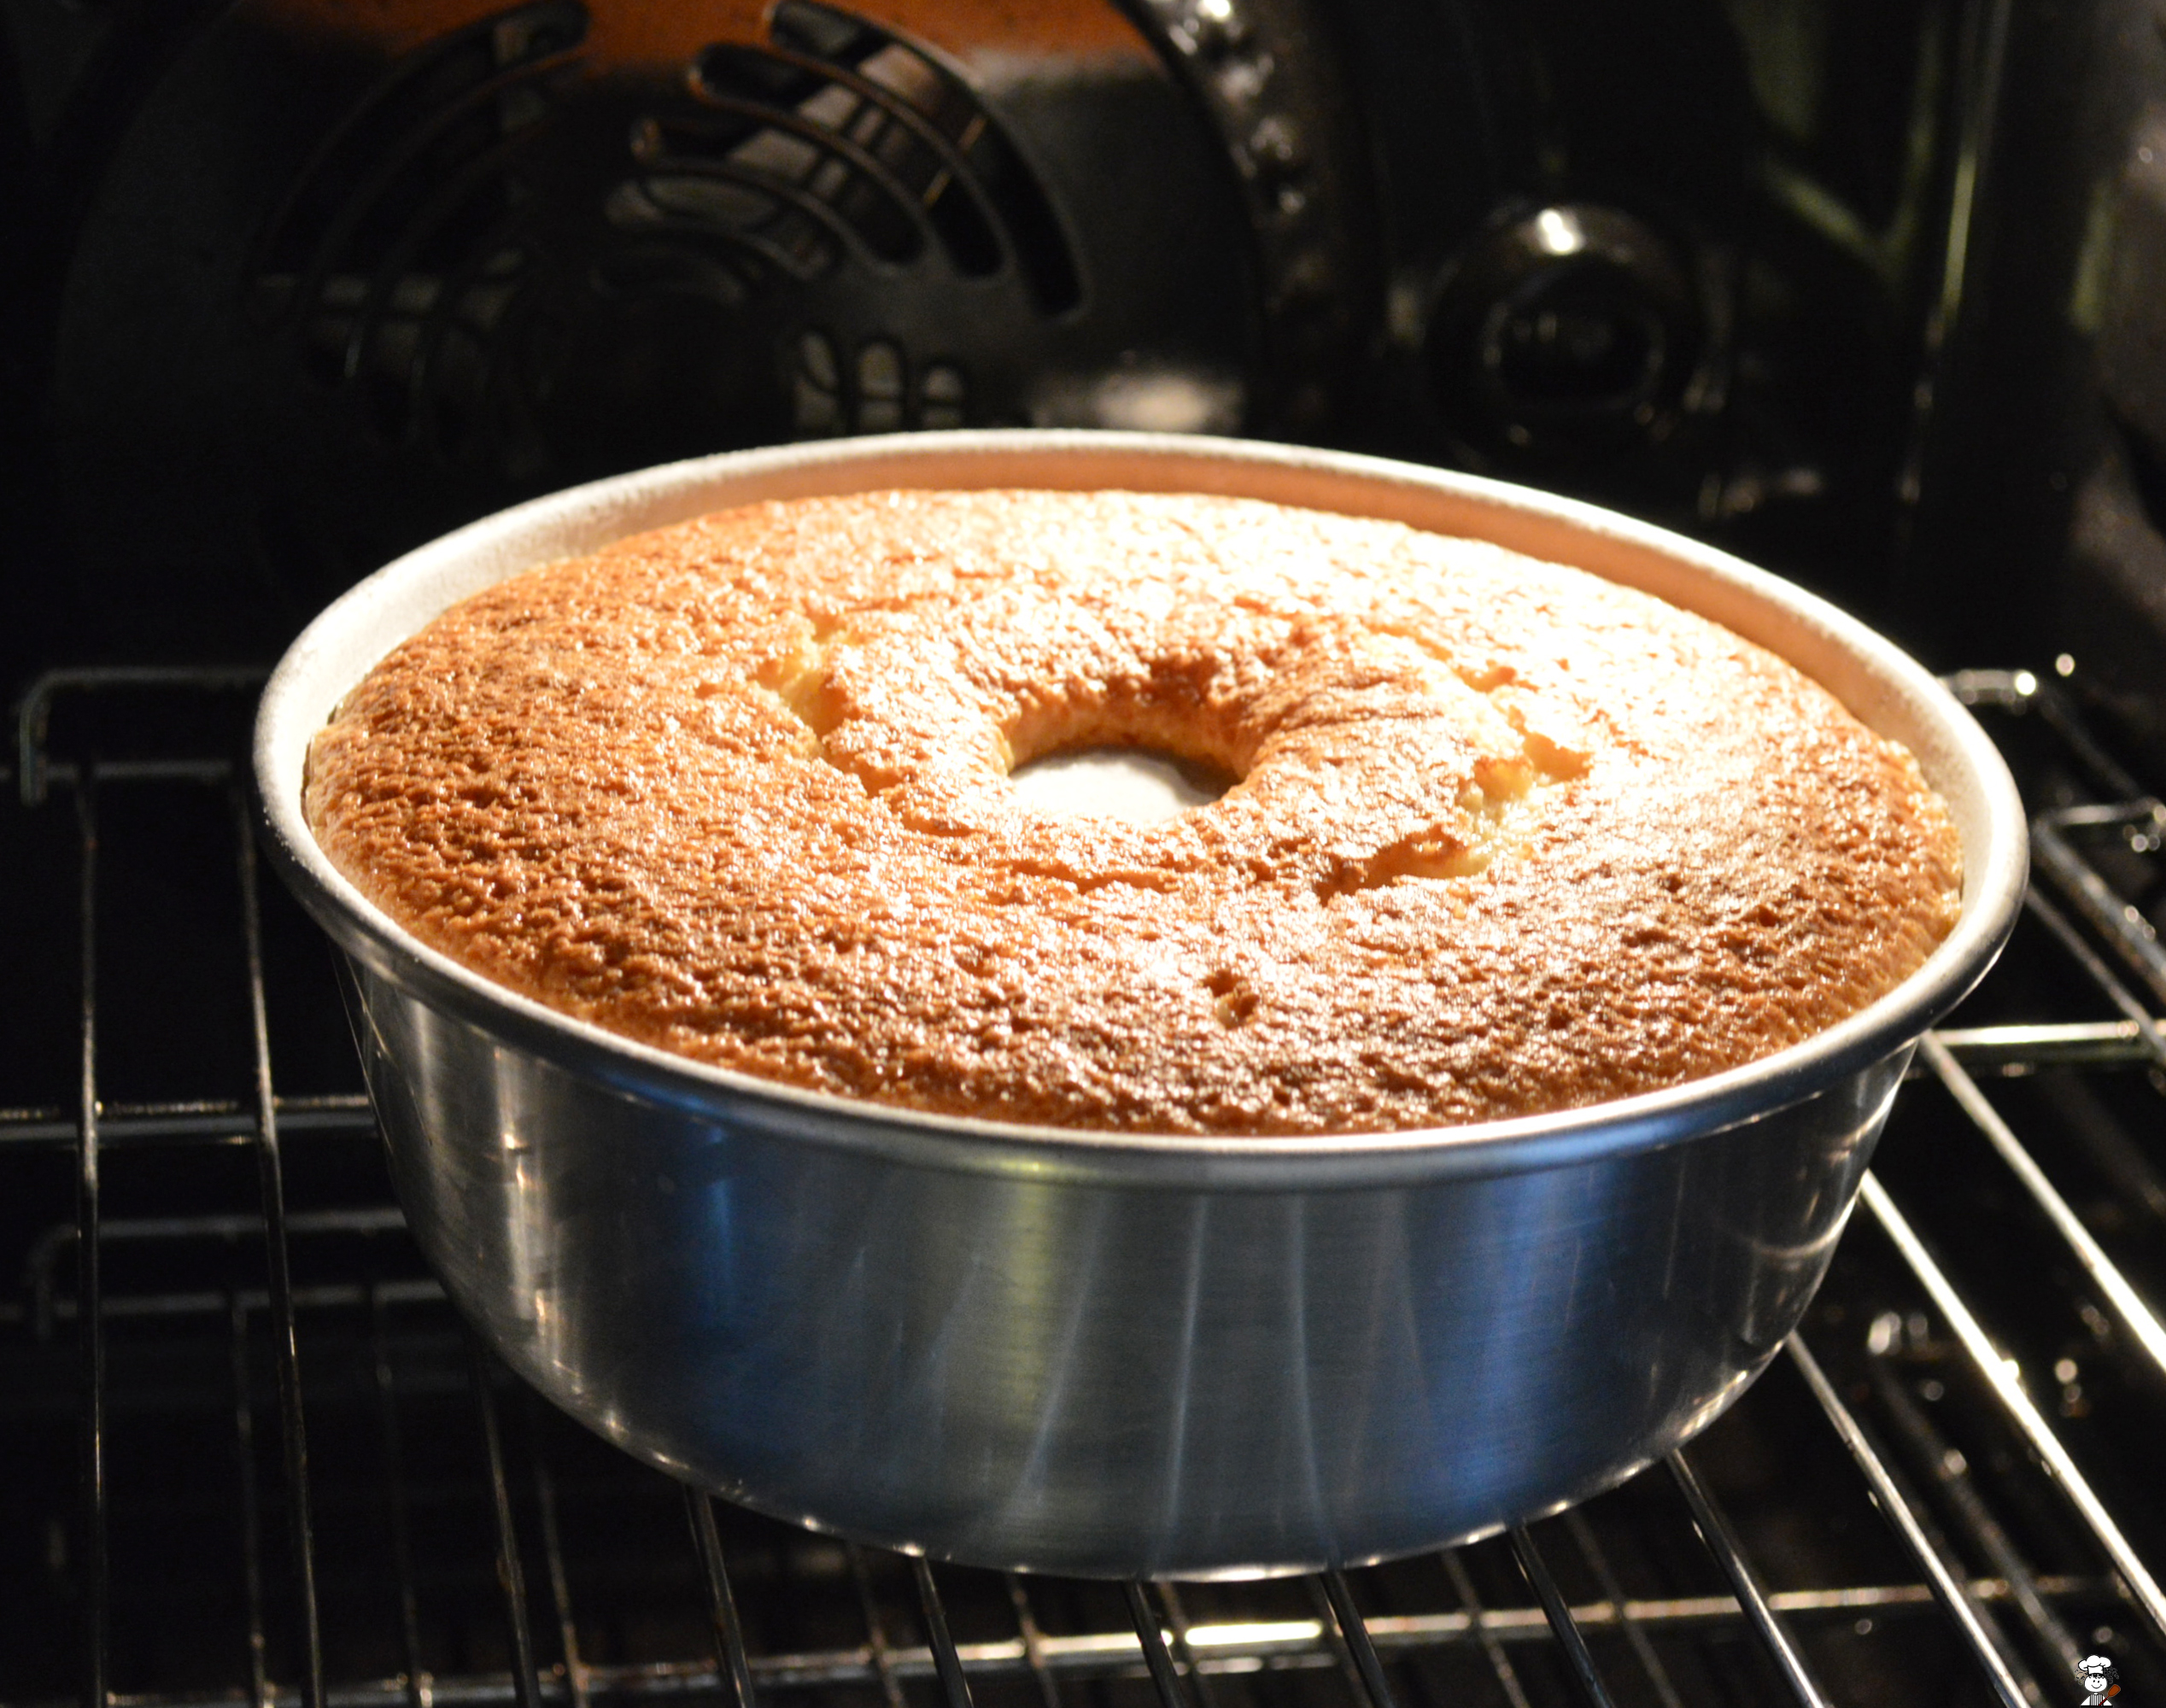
2017, 1521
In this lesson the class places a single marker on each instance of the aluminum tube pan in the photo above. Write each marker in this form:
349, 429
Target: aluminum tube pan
1120, 1354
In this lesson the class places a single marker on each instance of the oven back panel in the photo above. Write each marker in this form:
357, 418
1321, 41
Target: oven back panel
303, 285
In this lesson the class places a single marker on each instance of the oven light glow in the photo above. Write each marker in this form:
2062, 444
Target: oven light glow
1559, 232
1243, 1636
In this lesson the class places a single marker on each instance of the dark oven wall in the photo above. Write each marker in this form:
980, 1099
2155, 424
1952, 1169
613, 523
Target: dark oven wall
301, 286
2044, 493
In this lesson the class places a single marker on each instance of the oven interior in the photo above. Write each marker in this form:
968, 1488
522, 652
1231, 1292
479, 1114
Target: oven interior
254, 1456
1858, 291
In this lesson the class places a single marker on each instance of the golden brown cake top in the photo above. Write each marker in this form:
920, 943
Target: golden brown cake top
1506, 837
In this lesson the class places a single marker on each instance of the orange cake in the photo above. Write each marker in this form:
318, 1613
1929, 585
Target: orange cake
1500, 837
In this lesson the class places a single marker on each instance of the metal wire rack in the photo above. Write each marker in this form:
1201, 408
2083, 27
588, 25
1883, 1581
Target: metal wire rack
252, 1457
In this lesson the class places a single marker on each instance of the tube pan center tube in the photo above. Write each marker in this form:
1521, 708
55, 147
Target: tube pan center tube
1119, 1355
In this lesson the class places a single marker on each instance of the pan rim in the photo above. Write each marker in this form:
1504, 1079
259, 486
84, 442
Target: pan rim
297, 696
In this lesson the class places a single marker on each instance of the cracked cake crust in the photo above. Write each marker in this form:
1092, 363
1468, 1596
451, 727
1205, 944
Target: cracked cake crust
1505, 839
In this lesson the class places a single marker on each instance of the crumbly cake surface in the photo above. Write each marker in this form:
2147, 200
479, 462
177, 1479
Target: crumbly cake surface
1506, 839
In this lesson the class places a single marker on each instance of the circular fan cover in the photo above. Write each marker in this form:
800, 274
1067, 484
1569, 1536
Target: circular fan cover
352, 275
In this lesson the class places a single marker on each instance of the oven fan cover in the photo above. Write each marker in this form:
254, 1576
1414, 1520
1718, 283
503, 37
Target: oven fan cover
348, 276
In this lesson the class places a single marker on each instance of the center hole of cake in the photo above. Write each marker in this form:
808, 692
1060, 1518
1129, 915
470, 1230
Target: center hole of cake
1140, 784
